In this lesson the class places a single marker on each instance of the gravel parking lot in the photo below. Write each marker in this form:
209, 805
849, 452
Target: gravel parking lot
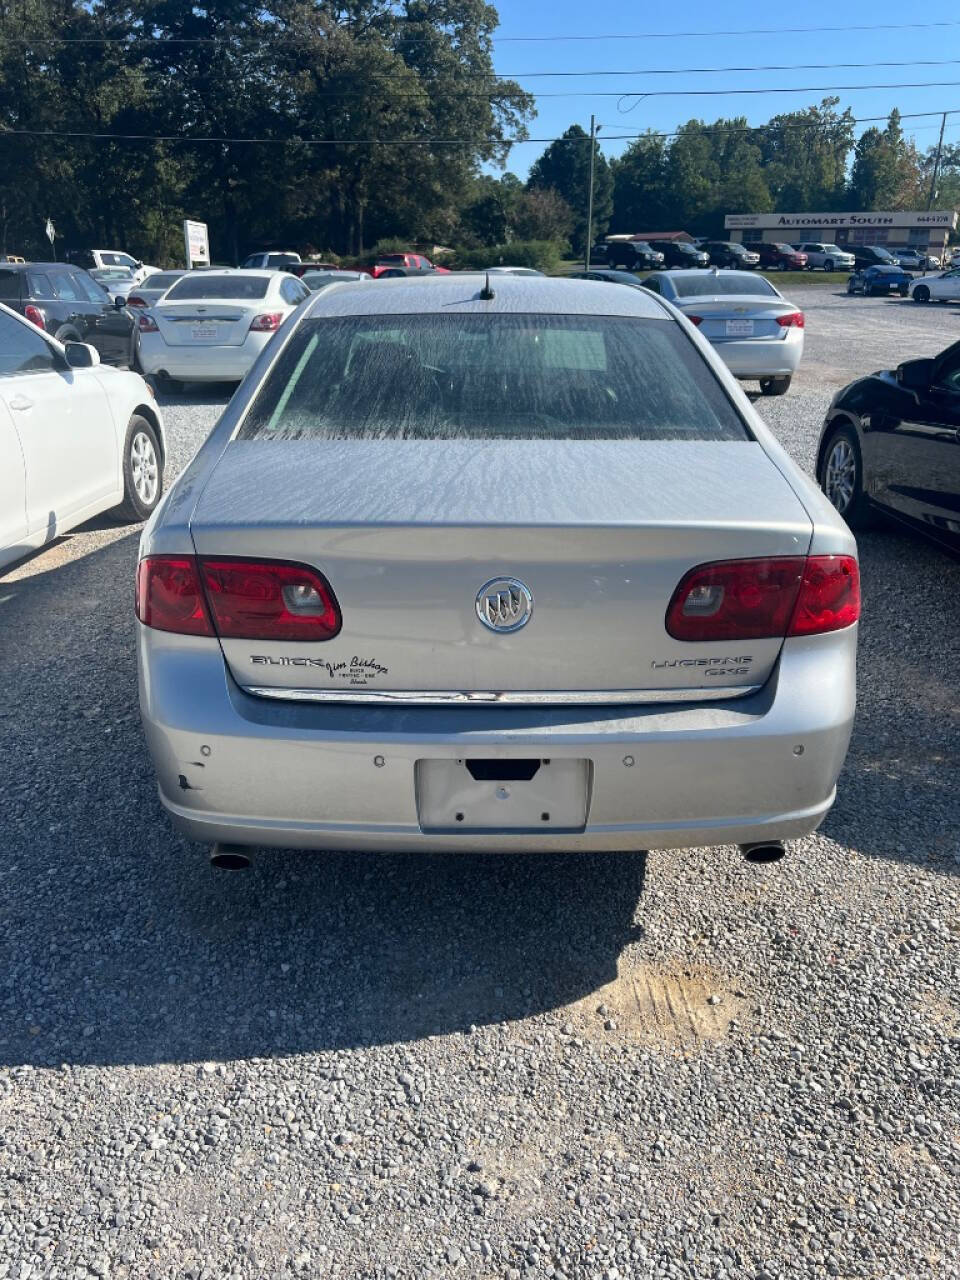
369, 1066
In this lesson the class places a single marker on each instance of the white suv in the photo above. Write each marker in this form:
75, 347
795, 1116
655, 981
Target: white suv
275, 260
829, 256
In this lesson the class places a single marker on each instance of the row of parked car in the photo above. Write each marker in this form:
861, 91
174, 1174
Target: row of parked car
653, 255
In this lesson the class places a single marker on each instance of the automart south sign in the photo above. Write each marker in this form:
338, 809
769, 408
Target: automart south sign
945, 218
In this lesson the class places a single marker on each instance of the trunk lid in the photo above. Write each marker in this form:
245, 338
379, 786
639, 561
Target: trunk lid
407, 532
726, 319
205, 324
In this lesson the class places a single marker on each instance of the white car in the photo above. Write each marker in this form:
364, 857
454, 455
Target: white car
211, 325
117, 281
76, 438
829, 256
275, 260
101, 259
756, 331
944, 287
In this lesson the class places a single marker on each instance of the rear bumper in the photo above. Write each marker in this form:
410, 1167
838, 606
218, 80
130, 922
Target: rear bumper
245, 770
201, 364
762, 357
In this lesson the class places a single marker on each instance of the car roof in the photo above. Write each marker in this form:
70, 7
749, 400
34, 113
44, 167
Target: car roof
460, 291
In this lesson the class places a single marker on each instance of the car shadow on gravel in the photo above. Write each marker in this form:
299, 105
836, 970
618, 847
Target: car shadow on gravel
897, 795
119, 944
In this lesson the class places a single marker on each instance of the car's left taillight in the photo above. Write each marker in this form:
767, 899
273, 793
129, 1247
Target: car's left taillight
146, 323
34, 315
236, 598
792, 320
170, 597
765, 598
266, 323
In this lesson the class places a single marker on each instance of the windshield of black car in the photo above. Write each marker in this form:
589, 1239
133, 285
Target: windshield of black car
725, 282
242, 288
503, 376
883, 254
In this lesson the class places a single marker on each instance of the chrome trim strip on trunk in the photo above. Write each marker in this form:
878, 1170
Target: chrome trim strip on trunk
546, 697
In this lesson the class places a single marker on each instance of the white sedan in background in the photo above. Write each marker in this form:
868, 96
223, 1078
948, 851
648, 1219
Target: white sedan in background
757, 333
76, 438
211, 325
944, 287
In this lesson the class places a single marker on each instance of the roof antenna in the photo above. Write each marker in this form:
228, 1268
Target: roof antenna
486, 293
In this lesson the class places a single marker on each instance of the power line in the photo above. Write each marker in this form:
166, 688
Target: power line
546, 39
441, 142
749, 31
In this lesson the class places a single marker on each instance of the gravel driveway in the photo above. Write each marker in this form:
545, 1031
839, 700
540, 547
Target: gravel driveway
370, 1066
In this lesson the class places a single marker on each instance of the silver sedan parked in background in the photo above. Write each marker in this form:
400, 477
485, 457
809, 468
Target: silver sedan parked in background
476, 563
758, 334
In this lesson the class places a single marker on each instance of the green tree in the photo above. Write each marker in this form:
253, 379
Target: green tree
565, 168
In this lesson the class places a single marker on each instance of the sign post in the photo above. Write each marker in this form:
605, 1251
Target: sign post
196, 244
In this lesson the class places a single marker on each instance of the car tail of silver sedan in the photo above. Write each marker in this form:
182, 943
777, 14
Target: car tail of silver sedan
520, 571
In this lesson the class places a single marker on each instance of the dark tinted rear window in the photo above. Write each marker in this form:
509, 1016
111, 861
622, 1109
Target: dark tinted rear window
496, 376
724, 283
208, 285
9, 285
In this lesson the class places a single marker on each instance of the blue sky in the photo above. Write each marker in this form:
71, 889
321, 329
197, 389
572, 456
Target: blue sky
619, 19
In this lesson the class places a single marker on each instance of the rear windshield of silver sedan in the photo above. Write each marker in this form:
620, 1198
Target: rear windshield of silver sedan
491, 376
209, 286
738, 283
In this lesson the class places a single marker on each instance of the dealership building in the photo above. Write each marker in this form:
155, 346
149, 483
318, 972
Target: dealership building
900, 228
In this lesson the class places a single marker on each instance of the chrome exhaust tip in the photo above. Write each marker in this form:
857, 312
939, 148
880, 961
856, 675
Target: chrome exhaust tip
230, 857
763, 852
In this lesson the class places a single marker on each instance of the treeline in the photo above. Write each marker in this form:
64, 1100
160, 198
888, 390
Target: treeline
332, 125
801, 160
330, 89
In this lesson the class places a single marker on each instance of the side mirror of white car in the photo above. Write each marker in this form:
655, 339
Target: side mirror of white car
80, 355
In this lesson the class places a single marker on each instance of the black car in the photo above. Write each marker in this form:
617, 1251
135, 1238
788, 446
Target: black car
68, 303
677, 253
635, 255
608, 276
871, 255
891, 443
727, 253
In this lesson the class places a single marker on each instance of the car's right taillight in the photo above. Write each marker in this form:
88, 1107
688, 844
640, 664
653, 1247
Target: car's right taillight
793, 320
146, 323
236, 598
34, 315
695, 320
765, 598
267, 323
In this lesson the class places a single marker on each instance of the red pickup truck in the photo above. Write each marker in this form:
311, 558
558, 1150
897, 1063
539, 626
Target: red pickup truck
410, 264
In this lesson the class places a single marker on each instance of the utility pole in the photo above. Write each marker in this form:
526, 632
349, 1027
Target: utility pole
936, 163
594, 130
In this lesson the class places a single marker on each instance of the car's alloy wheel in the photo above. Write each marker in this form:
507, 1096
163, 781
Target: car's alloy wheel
142, 471
828, 265
840, 474
144, 467
921, 293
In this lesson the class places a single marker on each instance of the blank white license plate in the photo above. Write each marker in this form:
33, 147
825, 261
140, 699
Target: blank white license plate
502, 795
739, 328
205, 333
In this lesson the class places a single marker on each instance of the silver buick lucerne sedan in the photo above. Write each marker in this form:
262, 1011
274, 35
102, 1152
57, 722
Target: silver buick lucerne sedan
495, 563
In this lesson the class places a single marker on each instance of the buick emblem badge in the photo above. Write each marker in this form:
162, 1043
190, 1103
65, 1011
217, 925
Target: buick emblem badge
504, 604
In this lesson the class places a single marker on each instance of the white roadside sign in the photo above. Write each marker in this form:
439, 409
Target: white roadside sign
196, 244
